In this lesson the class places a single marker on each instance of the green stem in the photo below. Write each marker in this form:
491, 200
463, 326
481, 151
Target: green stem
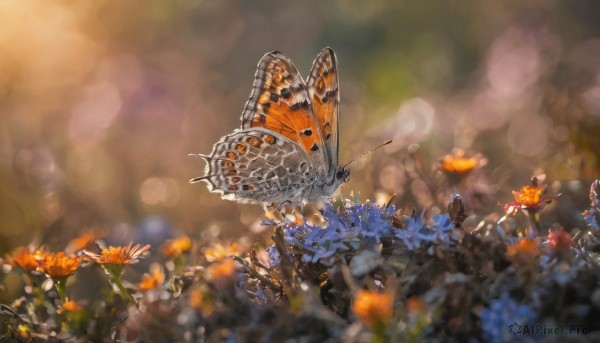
124, 292
534, 218
61, 288
379, 333
179, 263
114, 272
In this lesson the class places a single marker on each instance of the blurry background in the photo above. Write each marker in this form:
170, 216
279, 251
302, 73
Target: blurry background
101, 102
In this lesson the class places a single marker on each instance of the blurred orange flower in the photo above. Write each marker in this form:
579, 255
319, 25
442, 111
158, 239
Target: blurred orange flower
152, 280
222, 271
177, 246
117, 255
69, 306
24, 258
373, 308
82, 242
525, 247
58, 265
218, 251
458, 162
414, 304
201, 301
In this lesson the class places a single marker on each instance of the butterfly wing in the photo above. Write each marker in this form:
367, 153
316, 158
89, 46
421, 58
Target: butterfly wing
324, 93
280, 102
258, 166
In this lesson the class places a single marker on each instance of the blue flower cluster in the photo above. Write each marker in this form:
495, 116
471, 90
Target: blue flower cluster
505, 319
416, 231
362, 225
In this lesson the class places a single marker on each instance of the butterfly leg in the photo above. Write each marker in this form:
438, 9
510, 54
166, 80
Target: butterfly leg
269, 208
297, 213
274, 213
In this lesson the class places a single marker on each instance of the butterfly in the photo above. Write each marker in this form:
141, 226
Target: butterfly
287, 148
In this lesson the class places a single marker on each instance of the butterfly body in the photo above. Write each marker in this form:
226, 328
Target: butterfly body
287, 148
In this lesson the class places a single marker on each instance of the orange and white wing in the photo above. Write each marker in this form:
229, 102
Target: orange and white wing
323, 90
280, 102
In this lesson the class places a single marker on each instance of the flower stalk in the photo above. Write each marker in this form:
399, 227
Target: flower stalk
61, 287
114, 272
113, 260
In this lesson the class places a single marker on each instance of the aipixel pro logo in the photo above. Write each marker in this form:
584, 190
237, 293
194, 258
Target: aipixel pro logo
543, 330
515, 328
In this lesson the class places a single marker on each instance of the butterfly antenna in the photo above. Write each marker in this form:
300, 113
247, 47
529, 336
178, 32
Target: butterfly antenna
368, 152
205, 157
198, 179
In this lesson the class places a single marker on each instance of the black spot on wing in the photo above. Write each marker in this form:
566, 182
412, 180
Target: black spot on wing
285, 93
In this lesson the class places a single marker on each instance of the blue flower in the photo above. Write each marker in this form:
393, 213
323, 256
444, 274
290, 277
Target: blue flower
359, 226
348, 228
416, 231
504, 320
274, 257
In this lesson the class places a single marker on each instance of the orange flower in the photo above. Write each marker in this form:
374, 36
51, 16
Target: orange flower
458, 162
373, 308
218, 252
222, 271
530, 198
81, 242
201, 301
153, 280
525, 247
24, 258
117, 255
58, 265
177, 246
414, 304
69, 306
